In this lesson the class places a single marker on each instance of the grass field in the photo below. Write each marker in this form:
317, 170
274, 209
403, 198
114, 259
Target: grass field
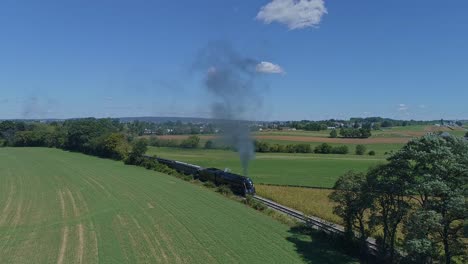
308, 200
61, 207
276, 168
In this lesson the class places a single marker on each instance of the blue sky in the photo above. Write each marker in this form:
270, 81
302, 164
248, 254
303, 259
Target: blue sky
400, 59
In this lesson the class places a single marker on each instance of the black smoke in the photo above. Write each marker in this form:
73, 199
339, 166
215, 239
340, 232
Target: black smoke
230, 78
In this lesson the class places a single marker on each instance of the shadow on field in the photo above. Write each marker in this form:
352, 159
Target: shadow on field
316, 247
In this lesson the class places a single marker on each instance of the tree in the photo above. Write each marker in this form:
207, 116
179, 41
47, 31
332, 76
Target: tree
377, 126
209, 144
190, 142
418, 246
466, 135
360, 149
333, 133
340, 150
389, 189
113, 146
437, 173
262, 146
139, 148
323, 148
353, 203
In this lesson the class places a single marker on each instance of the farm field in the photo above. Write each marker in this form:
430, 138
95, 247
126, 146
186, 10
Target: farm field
61, 207
308, 200
393, 137
317, 170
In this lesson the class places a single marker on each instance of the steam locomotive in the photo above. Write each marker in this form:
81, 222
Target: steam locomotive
238, 184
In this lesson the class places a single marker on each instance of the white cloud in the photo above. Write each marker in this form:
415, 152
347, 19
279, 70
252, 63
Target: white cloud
422, 106
402, 107
295, 14
268, 67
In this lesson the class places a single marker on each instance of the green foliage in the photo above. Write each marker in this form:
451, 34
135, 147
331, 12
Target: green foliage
265, 147
353, 203
355, 132
139, 148
388, 188
190, 142
371, 153
333, 133
432, 171
250, 201
209, 144
323, 148
438, 167
114, 146
340, 150
209, 184
360, 149
224, 190
326, 148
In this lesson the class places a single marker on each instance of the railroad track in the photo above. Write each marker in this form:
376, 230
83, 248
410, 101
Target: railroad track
314, 222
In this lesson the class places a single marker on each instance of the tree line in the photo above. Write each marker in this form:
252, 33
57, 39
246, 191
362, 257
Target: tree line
420, 192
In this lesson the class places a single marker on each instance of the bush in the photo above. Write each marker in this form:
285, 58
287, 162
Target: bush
224, 189
340, 150
209, 144
333, 133
360, 150
371, 153
323, 148
303, 148
355, 132
190, 142
250, 201
209, 184
261, 146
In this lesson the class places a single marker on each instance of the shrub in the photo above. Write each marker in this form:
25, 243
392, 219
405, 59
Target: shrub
303, 148
340, 150
190, 142
261, 146
323, 148
209, 184
224, 189
250, 201
360, 150
209, 144
333, 133
371, 153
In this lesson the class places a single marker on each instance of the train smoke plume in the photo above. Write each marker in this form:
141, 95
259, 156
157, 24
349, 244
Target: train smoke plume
229, 79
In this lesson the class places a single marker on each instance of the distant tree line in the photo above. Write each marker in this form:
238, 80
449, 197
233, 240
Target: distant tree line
190, 142
355, 132
421, 192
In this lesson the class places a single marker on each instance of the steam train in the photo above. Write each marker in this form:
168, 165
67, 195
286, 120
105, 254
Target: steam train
238, 184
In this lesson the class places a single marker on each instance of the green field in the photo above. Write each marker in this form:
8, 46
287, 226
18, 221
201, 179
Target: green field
61, 207
276, 168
